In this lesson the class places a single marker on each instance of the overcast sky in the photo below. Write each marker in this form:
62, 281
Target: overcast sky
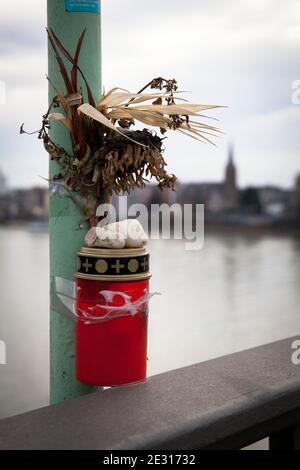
240, 53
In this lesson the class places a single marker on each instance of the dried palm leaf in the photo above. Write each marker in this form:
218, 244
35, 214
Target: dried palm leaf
93, 113
152, 119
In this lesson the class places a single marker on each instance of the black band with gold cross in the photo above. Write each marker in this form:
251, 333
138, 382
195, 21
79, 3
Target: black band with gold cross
114, 265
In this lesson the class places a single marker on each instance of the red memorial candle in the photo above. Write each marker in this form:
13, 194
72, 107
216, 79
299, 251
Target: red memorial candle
112, 289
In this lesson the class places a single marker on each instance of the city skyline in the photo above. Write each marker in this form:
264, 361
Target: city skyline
219, 197
240, 56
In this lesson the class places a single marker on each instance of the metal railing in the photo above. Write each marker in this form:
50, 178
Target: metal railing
225, 403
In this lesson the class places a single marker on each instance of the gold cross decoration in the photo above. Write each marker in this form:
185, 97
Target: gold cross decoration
144, 264
87, 265
118, 266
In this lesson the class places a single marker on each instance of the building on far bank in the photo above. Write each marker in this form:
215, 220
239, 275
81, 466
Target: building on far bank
295, 198
3, 184
29, 204
4, 198
274, 200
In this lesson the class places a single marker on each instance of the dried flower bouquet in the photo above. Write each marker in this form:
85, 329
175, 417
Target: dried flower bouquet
109, 153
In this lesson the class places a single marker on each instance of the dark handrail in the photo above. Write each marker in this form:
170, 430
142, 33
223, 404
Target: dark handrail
224, 403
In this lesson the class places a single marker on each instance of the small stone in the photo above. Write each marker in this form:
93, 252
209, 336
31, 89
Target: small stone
91, 237
135, 236
127, 233
109, 237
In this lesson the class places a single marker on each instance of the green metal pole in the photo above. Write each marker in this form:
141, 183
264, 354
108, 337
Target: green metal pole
65, 235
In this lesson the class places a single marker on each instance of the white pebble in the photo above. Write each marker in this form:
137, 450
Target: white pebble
127, 233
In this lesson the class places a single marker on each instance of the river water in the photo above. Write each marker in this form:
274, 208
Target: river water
239, 291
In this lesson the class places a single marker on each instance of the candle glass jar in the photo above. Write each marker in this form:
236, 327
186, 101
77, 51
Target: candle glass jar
112, 293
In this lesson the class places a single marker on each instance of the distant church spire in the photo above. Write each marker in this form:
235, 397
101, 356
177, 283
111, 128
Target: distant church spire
230, 184
230, 153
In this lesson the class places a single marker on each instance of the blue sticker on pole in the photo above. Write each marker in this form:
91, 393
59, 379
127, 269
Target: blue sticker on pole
89, 6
